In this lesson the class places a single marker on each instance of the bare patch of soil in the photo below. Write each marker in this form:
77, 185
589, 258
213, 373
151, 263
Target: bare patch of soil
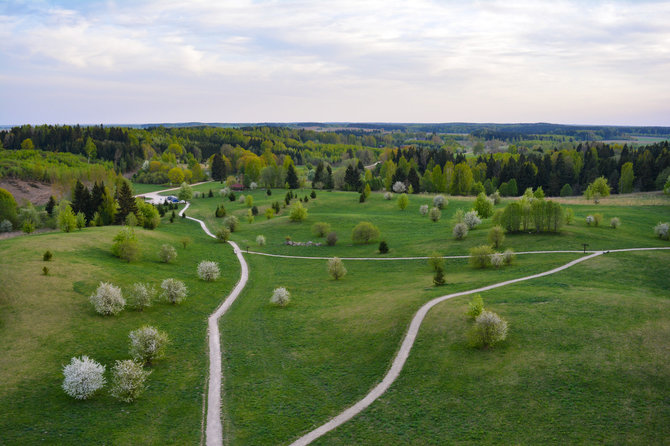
33, 191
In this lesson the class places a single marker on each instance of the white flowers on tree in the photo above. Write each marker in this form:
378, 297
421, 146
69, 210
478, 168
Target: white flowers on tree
497, 259
662, 230
399, 187
280, 296
336, 268
423, 209
260, 240
439, 201
128, 380
471, 219
167, 253
147, 343
108, 299
460, 231
174, 291
208, 270
388, 196
489, 329
83, 377
142, 295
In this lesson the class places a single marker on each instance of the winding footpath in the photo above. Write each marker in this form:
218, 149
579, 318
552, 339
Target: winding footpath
214, 430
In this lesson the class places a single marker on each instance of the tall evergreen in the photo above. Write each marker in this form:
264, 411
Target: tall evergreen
218, 168
50, 205
319, 174
292, 177
352, 178
126, 202
81, 199
328, 183
97, 196
413, 180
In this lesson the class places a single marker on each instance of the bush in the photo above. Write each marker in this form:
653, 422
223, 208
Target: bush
167, 253
331, 238
399, 187
66, 219
83, 377
45, 271
174, 291
208, 270
436, 261
223, 234
597, 218
435, 214
253, 185
231, 223
280, 297
336, 268
6, 226
383, 247
47, 256
496, 236
147, 343
125, 245
80, 221
364, 232
480, 256
497, 259
403, 201
128, 380
460, 231
249, 201
440, 202
662, 230
508, 256
489, 329
589, 220
483, 205
142, 296
269, 213
459, 215
495, 196
615, 222
388, 195
438, 278
313, 194
241, 198
320, 229
250, 216
475, 307
107, 299
566, 190
471, 219
569, 216
185, 241
298, 212
260, 240
220, 211
423, 209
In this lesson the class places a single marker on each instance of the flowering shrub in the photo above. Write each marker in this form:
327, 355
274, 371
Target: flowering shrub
489, 329
142, 295
471, 219
260, 240
439, 201
662, 230
280, 296
423, 209
388, 195
107, 299
208, 270
497, 259
615, 222
460, 231
147, 343
590, 220
128, 380
399, 187
167, 253
336, 268
508, 256
83, 377
174, 291
435, 214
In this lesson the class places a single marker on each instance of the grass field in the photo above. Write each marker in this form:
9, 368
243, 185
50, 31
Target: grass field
586, 359
45, 320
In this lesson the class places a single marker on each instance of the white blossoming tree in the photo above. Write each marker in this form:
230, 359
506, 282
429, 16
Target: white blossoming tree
174, 291
83, 377
128, 380
147, 343
107, 299
208, 270
280, 296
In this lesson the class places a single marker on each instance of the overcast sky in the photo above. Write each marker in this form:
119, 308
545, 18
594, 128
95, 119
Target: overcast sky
588, 62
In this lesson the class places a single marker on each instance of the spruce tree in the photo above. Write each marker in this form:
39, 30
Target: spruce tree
292, 177
126, 201
218, 168
50, 205
81, 200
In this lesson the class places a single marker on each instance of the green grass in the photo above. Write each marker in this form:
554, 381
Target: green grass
585, 360
45, 320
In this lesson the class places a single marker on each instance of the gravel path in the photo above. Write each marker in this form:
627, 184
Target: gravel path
214, 429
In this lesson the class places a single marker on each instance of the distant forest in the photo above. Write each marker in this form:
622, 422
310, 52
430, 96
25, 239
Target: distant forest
456, 158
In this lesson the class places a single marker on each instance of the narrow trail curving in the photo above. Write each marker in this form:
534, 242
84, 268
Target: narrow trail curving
214, 428
408, 342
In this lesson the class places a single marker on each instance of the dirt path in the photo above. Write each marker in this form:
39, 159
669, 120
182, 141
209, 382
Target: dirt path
408, 342
214, 429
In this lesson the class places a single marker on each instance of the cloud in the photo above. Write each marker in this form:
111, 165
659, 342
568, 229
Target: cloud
346, 60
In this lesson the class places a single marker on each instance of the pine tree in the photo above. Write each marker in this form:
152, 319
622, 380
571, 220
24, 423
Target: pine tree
413, 180
329, 184
50, 205
81, 200
292, 177
126, 202
319, 174
218, 168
